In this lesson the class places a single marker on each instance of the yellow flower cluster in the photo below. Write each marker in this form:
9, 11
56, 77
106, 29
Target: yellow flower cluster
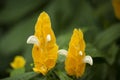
19, 62
45, 50
116, 7
74, 64
76, 58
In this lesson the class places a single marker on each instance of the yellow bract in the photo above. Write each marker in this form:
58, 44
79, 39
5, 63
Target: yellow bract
19, 62
74, 64
45, 54
116, 6
45, 50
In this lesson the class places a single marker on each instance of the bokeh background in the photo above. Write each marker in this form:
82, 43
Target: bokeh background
96, 18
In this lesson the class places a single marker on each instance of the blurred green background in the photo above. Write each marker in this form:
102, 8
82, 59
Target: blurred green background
95, 17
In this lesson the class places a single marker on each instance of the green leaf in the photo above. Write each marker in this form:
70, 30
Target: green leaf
111, 54
84, 15
108, 36
28, 57
63, 40
15, 9
17, 72
103, 9
62, 75
16, 38
96, 72
68, 16
25, 76
93, 51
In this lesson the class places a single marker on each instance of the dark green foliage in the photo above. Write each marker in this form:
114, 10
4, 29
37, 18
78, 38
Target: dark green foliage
96, 19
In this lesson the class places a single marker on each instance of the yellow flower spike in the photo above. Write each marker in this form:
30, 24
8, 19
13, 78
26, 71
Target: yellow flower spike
19, 62
116, 6
76, 59
45, 49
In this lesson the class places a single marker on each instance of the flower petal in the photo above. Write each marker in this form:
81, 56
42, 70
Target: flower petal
62, 52
33, 40
88, 59
48, 38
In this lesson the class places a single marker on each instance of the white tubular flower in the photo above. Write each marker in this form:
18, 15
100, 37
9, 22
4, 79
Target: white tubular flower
62, 52
88, 59
81, 53
48, 38
33, 40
